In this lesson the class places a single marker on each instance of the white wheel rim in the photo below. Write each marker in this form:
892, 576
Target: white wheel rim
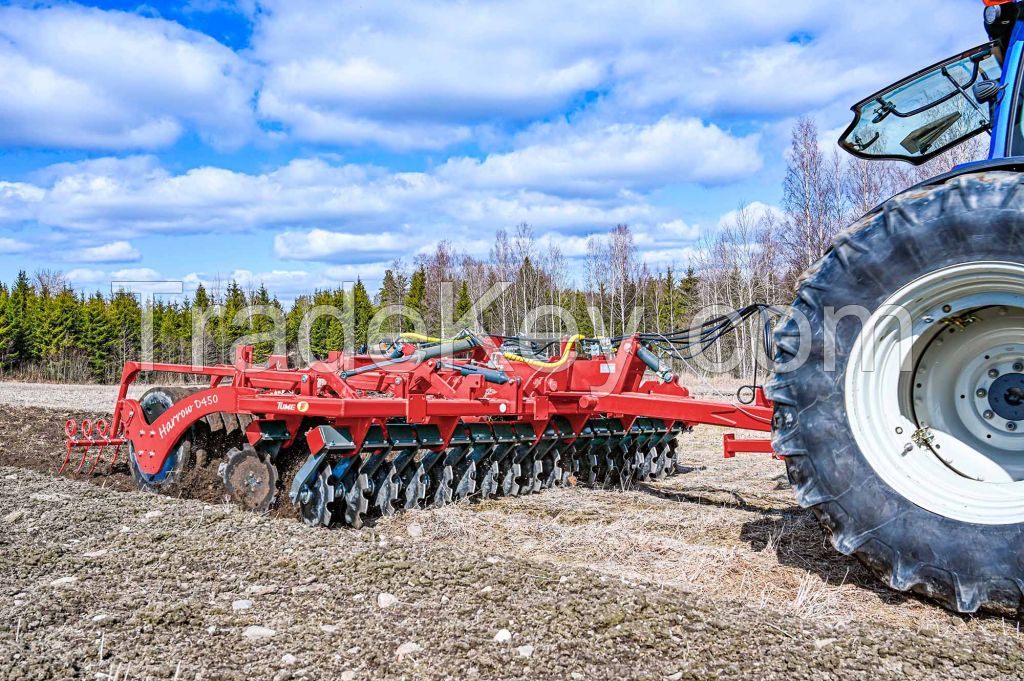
934, 389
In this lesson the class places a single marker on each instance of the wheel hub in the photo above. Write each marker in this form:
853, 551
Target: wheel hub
1006, 398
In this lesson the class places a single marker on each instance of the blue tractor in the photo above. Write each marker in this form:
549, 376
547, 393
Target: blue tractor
899, 370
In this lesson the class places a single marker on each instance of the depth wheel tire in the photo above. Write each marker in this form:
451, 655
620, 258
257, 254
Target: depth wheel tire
916, 467
155, 402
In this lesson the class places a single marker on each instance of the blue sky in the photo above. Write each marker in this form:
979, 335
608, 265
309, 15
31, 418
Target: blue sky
305, 143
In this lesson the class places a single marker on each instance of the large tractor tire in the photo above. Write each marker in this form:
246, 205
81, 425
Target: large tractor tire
903, 428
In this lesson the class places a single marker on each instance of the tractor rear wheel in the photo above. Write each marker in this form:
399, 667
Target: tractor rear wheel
899, 391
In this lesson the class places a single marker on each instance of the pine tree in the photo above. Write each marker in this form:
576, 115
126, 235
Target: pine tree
580, 314
201, 301
417, 291
126, 317
385, 296
98, 338
362, 311
293, 321
59, 326
231, 327
262, 322
686, 297
463, 304
13, 312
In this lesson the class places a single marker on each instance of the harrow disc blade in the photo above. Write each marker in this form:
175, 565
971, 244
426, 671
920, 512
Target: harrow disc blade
441, 481
357, 500
315, 505
509, 487
388, 492
589, 469
489, 481
465, 484
416, 487
530, 472
250, 478
551, 470
177, 462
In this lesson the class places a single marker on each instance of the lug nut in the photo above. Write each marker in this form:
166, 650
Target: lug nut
947, 308
1011, 426
1018, 366
993, 373
981, 392
988, 414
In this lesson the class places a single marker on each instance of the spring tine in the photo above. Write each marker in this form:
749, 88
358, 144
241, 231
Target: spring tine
67, 457
96, 461
85, 455
117, 450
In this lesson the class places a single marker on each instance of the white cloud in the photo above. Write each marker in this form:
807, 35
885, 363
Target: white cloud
115, 251
323, 245
136, 274
10, 246
72, 77
429, 75
322, 211
81, 276
288, 284
753, 212
677, 229
616, 156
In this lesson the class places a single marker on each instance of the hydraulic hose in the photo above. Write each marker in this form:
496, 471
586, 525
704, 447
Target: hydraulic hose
553, 364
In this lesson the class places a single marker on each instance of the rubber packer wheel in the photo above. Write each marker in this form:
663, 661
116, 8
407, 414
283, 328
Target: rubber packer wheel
955, 536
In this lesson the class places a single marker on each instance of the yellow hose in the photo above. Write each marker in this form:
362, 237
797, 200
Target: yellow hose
511, 356
546, 365
430, 339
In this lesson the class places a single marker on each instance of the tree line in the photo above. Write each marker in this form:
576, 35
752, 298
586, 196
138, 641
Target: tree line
48, 331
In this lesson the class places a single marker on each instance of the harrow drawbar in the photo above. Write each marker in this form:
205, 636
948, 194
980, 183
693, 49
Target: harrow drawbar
425, 424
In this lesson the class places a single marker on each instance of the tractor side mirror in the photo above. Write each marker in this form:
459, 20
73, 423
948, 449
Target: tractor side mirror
986, 91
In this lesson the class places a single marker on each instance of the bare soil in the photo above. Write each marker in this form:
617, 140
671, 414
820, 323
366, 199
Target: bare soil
714, 573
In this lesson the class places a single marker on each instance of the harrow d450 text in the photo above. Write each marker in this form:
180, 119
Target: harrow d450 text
431, 422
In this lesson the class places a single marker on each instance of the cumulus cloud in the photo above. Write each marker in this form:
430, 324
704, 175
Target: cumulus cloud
752, 212
612, 157
677, 229
288, 284
83, 276
115, 251
10, 246
325, 245
128, 197
136, 274
428, 76
79, 78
